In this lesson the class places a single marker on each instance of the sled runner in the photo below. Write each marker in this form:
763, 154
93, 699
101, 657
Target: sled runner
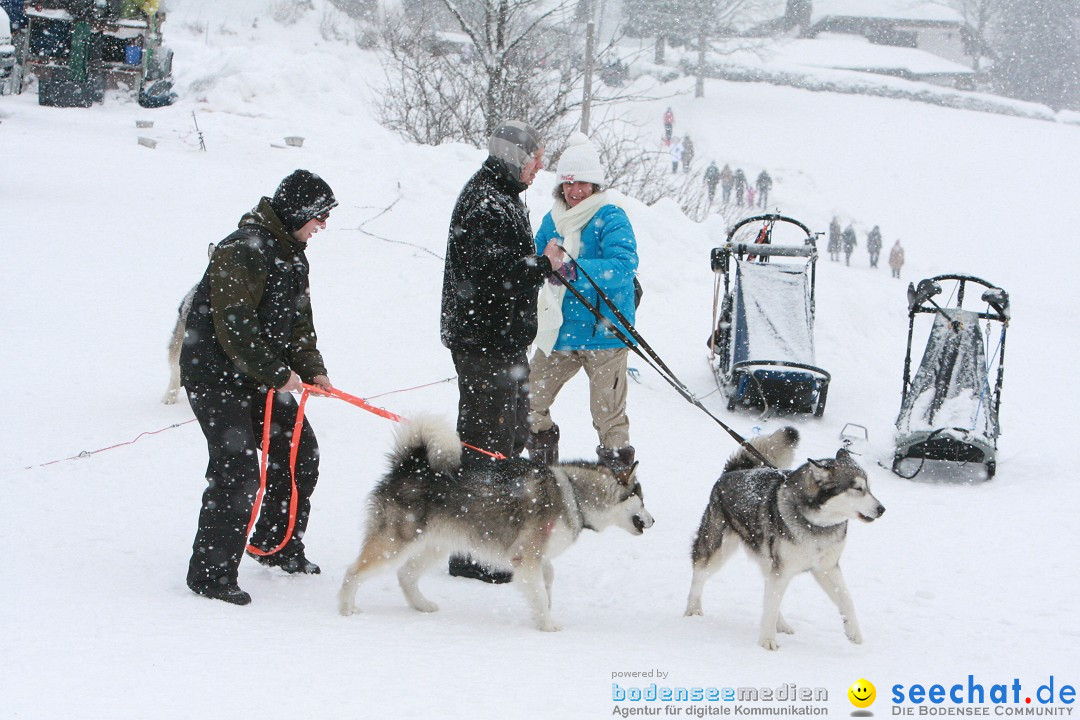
761, 350
949, 410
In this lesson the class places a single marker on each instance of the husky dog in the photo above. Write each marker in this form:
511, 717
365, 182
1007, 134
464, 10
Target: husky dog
177, 340
175, 343
790, 521
514, 514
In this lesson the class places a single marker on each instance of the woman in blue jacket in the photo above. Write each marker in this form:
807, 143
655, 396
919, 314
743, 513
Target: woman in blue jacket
597, 234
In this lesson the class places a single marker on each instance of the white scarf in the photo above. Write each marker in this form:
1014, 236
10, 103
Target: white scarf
569, 222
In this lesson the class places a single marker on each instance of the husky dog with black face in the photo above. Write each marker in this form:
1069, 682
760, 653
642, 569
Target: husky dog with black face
511, 514
790, 521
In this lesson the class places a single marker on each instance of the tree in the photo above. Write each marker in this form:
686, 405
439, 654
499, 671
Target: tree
1038, 56
458, 68
693, 23
712, 19
652, 18
980, 16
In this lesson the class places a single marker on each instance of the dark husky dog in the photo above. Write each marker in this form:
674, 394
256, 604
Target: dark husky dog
790, 521
515, 514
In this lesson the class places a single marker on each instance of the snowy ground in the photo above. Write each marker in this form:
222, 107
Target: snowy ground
104, 237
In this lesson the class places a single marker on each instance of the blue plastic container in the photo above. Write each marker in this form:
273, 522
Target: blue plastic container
132, 54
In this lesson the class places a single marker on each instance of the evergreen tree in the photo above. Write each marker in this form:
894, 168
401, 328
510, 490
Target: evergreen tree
1038, 53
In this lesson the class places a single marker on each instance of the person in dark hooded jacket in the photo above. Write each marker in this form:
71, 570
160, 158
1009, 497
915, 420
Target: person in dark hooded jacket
491, 280
250, 332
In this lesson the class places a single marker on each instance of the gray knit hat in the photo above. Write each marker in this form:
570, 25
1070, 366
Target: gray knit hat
514, 142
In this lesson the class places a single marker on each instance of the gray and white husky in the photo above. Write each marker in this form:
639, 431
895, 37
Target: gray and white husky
515, 514
790, 521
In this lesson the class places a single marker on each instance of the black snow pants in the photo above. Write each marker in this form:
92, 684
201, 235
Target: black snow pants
493, 404
232, 421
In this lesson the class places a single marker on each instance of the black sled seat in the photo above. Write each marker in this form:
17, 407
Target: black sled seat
763, 345
949, 410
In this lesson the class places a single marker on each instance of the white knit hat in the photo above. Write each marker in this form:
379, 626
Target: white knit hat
580, 162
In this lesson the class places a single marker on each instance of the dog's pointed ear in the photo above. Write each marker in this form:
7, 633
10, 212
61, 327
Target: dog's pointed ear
821, 474
625, 475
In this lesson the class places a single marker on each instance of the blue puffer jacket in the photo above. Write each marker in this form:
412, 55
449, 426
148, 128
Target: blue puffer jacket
609, 255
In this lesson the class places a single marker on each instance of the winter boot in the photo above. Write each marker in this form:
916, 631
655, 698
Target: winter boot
544, 446
616, 460
464, 566
291, 564
228, 592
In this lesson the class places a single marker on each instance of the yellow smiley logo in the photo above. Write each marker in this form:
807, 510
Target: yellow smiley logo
862, 693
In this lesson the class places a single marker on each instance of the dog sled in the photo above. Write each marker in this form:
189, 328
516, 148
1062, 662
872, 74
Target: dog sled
761, 350
949, 410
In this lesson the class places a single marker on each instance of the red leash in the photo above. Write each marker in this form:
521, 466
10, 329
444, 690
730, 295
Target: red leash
294, 445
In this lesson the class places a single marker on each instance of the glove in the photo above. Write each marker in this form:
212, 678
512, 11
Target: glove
567, 272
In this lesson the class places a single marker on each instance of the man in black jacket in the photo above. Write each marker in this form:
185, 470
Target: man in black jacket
490, 284
249, 331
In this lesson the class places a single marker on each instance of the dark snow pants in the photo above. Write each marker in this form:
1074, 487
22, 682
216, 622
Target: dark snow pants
493, 404
232, 421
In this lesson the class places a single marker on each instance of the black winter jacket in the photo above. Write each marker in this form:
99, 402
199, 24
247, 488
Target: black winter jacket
492, 273
250, 320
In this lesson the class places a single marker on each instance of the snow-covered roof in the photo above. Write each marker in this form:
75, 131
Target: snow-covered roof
915, 10
851, 52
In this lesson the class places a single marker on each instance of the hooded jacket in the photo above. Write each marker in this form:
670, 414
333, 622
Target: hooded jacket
250, 320
492, 273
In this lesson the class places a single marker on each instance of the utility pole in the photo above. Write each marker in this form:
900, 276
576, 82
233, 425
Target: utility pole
699, 86
586, 99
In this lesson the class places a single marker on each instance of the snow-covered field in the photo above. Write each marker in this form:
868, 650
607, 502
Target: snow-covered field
103, 237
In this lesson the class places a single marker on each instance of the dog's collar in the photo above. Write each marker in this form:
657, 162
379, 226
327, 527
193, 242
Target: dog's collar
570, 499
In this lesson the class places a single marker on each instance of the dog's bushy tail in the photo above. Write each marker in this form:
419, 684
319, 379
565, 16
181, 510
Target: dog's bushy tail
428, 437
778, 448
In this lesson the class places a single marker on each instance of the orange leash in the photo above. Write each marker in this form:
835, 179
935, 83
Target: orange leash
294, 446
364, 405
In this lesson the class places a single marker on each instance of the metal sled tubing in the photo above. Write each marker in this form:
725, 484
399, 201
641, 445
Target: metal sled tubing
771, 250
821, 382
765, 218
943, 444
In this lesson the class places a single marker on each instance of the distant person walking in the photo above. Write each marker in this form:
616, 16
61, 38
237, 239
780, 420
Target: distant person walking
849, 242
688, 153
727, 181
740, 186
676, 152
873, 245
712, 178
896, 259
669, 123
834, 239
764, 184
